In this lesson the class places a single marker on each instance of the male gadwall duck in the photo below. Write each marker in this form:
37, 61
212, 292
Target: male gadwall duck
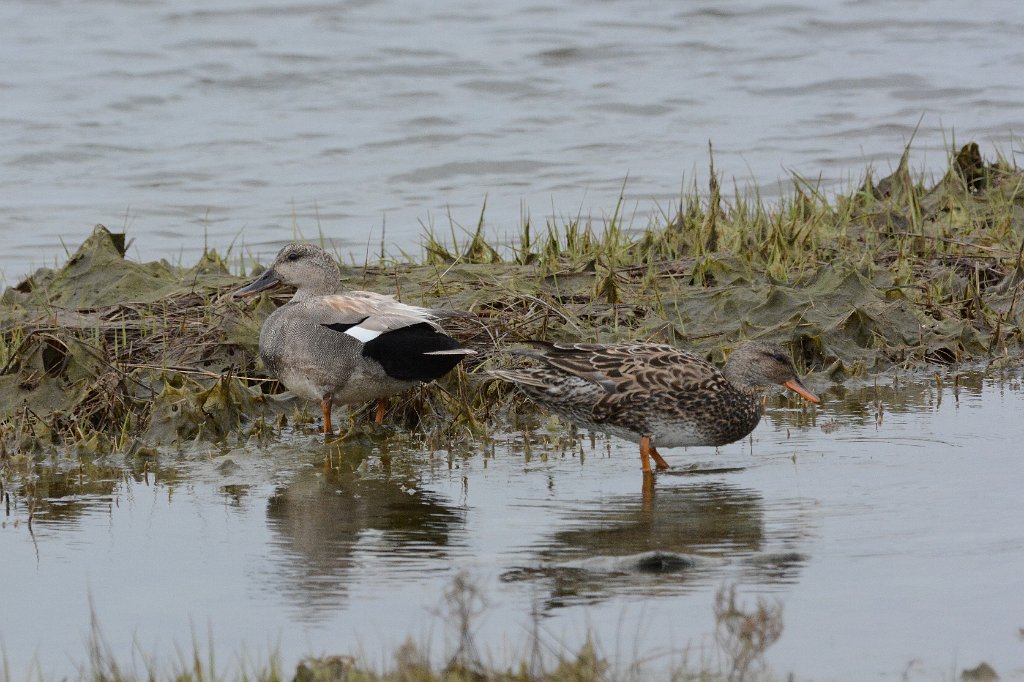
346, 348
653, 394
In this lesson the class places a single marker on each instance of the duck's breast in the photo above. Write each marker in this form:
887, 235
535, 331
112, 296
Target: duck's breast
309, 359
709, 418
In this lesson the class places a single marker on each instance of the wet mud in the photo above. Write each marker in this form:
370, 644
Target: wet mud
106, 354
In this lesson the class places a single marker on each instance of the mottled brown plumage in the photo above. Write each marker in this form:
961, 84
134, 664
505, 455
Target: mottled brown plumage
655, 394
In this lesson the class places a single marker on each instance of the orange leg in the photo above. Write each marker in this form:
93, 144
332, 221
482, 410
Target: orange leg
382, 405
325, 406
647, 496
645, 455
659, 461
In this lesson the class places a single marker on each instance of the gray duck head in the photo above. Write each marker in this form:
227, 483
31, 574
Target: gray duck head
755, 367
310, 269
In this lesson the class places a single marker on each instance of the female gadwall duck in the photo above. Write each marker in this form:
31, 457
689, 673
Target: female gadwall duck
347, 348
653, 394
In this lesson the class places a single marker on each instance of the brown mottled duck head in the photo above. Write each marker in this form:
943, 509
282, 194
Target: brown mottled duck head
756, 367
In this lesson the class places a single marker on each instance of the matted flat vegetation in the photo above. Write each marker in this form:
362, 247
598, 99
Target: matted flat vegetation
108, 354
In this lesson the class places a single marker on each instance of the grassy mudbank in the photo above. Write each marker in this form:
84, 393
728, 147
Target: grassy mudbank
108, 354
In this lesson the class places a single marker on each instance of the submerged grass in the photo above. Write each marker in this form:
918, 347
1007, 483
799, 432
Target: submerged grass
743, 633
736, 651
107, 354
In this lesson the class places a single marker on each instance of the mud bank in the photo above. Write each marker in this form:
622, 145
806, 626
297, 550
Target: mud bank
107, 354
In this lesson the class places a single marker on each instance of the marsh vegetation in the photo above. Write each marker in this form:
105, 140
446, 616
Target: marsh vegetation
105, 353
107, 364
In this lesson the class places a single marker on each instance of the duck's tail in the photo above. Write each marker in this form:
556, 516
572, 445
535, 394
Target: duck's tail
416, 353
452, 351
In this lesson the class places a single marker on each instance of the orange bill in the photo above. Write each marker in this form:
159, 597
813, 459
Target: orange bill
797, 387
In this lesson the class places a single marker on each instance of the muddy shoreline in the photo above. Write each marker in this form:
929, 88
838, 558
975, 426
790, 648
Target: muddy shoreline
107, 354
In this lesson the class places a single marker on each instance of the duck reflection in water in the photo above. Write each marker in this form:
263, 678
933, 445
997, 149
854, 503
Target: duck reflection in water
676, 540
324, 521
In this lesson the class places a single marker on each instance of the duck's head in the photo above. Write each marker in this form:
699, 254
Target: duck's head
310, 269
756, 367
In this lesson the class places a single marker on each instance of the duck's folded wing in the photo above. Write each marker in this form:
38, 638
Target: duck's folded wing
366, 315
658, 390
633, 376
614, 365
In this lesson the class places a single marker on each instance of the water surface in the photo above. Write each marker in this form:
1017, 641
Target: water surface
887, 523
240, 122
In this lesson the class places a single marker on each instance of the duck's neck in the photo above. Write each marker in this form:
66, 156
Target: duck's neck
324, 287
745, 381
305, 293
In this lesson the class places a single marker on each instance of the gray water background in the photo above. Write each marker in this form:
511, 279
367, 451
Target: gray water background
244, 122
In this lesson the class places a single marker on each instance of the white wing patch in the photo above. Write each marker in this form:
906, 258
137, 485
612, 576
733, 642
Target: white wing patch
362, 333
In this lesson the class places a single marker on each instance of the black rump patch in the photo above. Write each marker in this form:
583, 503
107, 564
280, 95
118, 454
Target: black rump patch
402, 352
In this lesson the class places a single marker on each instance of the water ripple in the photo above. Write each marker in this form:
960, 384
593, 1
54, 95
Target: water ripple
140, 113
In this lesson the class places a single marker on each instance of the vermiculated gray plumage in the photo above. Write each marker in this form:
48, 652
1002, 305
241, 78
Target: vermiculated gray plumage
327, 346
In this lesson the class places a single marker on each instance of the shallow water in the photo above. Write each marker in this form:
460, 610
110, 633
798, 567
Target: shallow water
235, 122
888, 524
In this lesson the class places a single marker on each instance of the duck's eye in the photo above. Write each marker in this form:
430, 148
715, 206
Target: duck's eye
779, 357
294, 256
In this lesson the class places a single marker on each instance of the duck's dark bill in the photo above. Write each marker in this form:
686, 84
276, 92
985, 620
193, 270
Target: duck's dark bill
265, 281
797, 387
